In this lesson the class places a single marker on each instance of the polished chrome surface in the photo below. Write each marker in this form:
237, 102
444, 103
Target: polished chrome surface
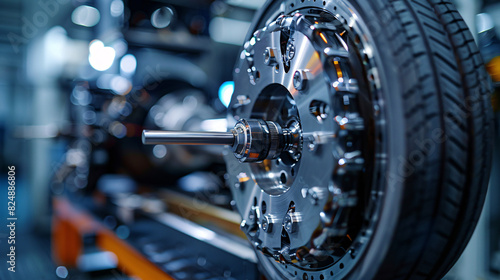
310, 69
251, 140
186, 138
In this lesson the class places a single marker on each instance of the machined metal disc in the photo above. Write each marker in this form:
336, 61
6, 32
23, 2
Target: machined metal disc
310, 68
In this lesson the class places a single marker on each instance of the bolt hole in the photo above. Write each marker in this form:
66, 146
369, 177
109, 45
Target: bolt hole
341, 266
324, 3
304, 276
291, 5
283, 178
277, 68
321, 277
293, 171
264, 207
255, 201
334, 8
331, 273
295, 272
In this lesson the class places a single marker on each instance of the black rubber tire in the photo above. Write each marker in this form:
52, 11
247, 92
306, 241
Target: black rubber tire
448, 119
439, 98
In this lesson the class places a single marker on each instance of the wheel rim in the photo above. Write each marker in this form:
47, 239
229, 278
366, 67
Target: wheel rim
311, 68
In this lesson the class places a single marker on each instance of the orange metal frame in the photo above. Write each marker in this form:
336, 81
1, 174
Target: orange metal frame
70, 225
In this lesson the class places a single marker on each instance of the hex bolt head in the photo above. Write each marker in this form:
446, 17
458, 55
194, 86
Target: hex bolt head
267, 222
300, 80
291, 222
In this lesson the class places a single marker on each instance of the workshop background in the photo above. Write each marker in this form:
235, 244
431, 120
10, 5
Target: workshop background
71, 73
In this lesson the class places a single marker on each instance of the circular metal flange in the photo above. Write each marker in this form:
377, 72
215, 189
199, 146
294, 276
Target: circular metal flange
317, 80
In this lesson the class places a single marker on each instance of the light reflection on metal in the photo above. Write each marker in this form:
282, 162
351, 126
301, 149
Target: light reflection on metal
228, 31
254, 4
85, 15
118, 84
101, 58
215, 125
116, 8
159, 151
128, 64
226, 92
162, 17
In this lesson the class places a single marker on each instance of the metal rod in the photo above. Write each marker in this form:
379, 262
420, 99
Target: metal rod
158, 137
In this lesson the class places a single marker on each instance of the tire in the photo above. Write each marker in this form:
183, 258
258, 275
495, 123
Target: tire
439, 118
449, 94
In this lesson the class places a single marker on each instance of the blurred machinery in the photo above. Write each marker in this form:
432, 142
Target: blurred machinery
152, 65
124, 210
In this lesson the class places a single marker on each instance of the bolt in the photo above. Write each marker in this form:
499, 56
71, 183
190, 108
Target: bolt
291, 222
300, 80
312, 143
267, 223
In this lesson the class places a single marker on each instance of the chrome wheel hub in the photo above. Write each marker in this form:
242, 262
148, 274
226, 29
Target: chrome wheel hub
306, 209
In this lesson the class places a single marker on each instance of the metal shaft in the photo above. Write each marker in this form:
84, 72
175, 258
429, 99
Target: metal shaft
187, 138
250, 140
